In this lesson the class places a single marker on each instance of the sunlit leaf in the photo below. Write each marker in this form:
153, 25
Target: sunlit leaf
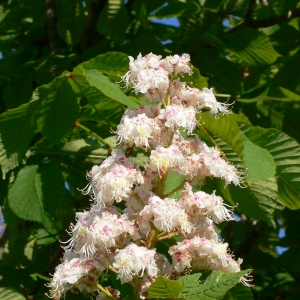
165, 288
108, 88
214, 287
7, 293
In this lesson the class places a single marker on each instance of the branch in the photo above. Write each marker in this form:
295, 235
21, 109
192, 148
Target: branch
51, 22
267, 22
250, 10
90, 34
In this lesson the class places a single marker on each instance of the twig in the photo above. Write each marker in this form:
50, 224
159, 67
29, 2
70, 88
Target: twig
51, 22
90, 34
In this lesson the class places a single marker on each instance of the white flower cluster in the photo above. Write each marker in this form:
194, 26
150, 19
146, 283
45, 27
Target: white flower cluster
111, 238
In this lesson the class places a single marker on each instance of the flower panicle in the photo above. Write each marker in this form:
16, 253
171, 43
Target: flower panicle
132, 209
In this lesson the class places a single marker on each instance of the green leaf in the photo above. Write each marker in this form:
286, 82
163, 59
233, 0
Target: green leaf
251, 46
282, 94
36, 193
53, 105
259, 200
189, 281
7, 163
173, 181
226, 129
23, 253
110, 63
165, 288
267, 167
102, 109
59, 110
214, 287
239, 292
10, 294
109, 89
286, 154
82, 152
17, 127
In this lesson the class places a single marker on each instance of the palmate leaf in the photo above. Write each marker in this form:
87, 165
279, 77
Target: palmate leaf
7, 293
252, 46
214, 287
53, 106
36, 193
286, 154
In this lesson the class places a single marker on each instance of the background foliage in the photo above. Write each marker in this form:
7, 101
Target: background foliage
59, 100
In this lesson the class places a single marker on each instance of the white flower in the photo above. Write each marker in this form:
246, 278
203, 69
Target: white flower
176, 116
135, 261
166, 215
146, 74
113, 180
69, 273
181, 63
211, 102
203, 204
201, 253
136, 130
165, 159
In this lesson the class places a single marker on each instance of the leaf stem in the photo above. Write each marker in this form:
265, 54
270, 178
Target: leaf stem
137, 198
168, 236
136, 295
99, 287
105, 291
152, 238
